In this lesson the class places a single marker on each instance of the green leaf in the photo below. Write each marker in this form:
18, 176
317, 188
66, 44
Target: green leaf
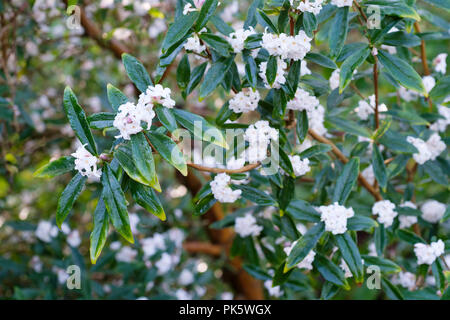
271, 71
265, 21
136, 72
287, 193
315, 150
217, 43
68, 197
391, 290
101, 120
302, 125
386, 266
359, 223
379, 167
350, 65
143, 158
183, 72
330, 271
78, 121
304, 245
115, 97
446, 214
349, 126
178, 29
281, 276
346, 181
251, 70
302, 211
100, 232
200, 128
147, 198
207, 10
434, 170
56, 168
196, 77
338, 31
401, 38
115, 203
440, 91
169, 151
438, 274
380, 239
321, 60
215, 75
351, 256
123, 155
255, 195
309, 23
440, 3
204, 205
402, 72
165, 115
409, 236
395, 8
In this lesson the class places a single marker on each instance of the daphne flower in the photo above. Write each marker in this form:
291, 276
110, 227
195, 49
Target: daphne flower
441, 124
385, 210
313, 6
126, 254
222, 191
86, 163
237, 38
247, 226
335, 217
440, 63
45, 231
433, 211
428, 150
334, 79
157, 94
303, 100
259, 137
427, 254
300, 166
273, 291
429, 82
287, 47
245, 101
128, 119
369, 175
193, 44
342, 3
365, 109
406, 280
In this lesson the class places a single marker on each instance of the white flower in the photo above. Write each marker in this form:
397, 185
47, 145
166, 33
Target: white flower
275, 291
427, 254
306, 263
126, 254
407, 95
122, 34
164, 264
285, 46
156, 28
157, 94
193, 44
226, 296
300, 166
369, 175
313, 6
182, 294
45, 231
440, 63
407, 221
429, 150
334, 79
246, 226
432, 211
259, 136
128, 119
390, 49
222, 191
335, 217
86, 163
303, 100
279, 79
385, 210
151, 245
237, 38
73, 239
405, 279
365, 109
186, 278
342, 3
304, 68
176, 236
61, 274
245, 101
227, 14
441, 124
346, 269
429, 82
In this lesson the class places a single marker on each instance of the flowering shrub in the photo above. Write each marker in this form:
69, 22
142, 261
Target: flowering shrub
328, 156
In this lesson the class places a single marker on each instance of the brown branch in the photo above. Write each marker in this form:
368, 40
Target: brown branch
362, 181
203, 247
220, 170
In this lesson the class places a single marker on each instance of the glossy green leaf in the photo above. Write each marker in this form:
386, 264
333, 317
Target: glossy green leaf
115, 97
101, 120
183, 72
136, 72
351, 255
68, 197
359, 223
207, 10
409, 236
321, 60
215, 75
350, 65
338, 31
302, 211
56, 168
169, 150
178, 29
143, 158
379, 168
330, 271
100, 232
271, 71
147, 198
386, 266
255, 195
165, 115
217, 43
395, 8
346, 181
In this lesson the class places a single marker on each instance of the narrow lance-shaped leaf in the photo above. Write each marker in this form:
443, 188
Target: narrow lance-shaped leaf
302, 125
215, 75
178, 29
183, 72
350, 65
100, 232
330, 271
379, 168
207, 10
143, 157
165, 115
115, 97
115, 203
271, 71
338, 31
56, 168
346, 181
136, 72
78, 121
148, 199
351, 255
255, 195
68, 197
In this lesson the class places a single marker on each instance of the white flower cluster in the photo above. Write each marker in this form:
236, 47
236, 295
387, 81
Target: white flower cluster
407, 95
428, 82
237, 38
245, 101
188, 7
428, 150
45, 231
280, 79
193, 44
342, 3
426, 254
405, 279
365, 109
285, 46
306, 263
334, 79
385, 210
300, 166
407, 221
86, 163
126, 254
221, 189
441, 124
433, 211
130, 116
440, 63
313, 6
335, 217
128, 119
246, 226
259, 136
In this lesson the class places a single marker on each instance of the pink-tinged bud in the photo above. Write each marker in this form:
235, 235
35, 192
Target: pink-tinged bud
129, 120
199, 3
